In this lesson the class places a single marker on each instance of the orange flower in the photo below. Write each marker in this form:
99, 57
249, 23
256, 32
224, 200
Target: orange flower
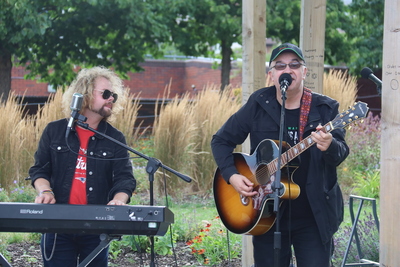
190, 242
197, 239
201, 251
206, 261
208, 225
193, 250
220, 231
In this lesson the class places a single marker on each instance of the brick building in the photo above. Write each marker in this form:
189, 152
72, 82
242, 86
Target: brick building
179, 75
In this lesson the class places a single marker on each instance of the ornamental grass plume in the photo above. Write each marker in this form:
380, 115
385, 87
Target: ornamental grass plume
341, 87
182, 136
21, 132
15, 139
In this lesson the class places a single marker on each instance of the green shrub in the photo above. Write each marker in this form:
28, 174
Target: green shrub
367, 184
22, 193
364, 142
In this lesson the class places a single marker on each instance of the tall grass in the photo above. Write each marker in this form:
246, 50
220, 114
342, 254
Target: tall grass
341, 87
15, 139
127, 120
182, 135
183, 131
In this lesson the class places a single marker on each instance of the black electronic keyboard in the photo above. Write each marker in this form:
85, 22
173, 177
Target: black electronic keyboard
85, 219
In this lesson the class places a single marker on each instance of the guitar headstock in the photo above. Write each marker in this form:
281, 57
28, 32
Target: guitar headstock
355, 113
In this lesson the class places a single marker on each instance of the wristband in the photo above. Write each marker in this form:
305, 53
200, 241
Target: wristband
46, 191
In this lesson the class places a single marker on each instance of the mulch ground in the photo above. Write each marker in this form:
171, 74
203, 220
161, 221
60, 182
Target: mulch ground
27, 254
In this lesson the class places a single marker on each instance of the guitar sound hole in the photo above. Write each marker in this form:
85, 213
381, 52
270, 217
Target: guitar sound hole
262, 174
244, 200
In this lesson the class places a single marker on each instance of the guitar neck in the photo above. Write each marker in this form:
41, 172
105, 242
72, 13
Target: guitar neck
296, 150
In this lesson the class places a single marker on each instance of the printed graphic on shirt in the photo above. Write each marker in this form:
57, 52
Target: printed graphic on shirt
80, 169
293, 133
292, 126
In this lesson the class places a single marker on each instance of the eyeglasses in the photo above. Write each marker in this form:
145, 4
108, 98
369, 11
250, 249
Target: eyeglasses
292, 65
107, 93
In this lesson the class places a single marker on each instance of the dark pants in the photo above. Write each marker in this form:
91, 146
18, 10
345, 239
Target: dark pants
68, 250
306, 242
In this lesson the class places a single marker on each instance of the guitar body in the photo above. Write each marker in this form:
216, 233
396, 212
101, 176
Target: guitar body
252, 215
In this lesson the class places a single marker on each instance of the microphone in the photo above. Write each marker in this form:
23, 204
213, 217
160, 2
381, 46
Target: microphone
285, 80
76, 106
367, 74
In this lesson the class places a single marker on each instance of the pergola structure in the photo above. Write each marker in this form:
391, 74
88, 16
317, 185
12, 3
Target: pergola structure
312, 42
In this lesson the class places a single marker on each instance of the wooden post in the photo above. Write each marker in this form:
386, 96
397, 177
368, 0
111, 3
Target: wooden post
390, 138
253, 77
312, 41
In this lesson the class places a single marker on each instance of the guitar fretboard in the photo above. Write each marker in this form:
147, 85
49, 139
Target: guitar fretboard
296, 150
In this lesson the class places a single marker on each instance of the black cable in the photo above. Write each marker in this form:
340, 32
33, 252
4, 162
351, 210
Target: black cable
95, 158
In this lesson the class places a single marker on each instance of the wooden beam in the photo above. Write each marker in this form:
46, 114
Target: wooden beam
254, 46
390, 138
312, 41
253, 77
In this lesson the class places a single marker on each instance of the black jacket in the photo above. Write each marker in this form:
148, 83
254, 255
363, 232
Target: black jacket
260, 118
106, 176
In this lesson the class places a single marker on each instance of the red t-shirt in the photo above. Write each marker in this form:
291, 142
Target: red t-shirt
78, 189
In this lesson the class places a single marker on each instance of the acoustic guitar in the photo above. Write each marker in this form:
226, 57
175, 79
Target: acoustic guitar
255, 215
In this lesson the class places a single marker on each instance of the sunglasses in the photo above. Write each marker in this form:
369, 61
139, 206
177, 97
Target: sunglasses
107, 93
292, 65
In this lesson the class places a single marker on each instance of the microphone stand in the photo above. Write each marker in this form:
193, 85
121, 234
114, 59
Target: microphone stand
152, 166
277, 186
379, 89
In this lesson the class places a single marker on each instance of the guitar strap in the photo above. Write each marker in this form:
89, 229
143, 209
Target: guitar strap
304, 110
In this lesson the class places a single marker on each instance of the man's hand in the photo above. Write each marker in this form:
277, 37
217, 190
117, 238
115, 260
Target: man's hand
45, 194
323, 140
45, 197
119, 199
242, 185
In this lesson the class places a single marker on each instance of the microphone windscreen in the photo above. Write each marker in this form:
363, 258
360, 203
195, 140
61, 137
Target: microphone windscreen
365, 72
285, 76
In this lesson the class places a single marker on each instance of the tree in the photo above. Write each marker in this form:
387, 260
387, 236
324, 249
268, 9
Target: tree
19, 23
365, 31
196, 26
354, 33
54, 36
280, 28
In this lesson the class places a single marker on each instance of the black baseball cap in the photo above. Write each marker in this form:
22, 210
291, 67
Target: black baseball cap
286, 47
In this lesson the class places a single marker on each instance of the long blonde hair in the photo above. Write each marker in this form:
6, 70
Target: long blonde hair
84, 84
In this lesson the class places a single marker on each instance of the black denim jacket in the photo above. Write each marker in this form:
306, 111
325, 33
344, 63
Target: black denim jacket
109, 170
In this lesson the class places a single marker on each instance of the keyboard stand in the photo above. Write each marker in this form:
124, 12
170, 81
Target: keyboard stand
105, 241
3, 261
